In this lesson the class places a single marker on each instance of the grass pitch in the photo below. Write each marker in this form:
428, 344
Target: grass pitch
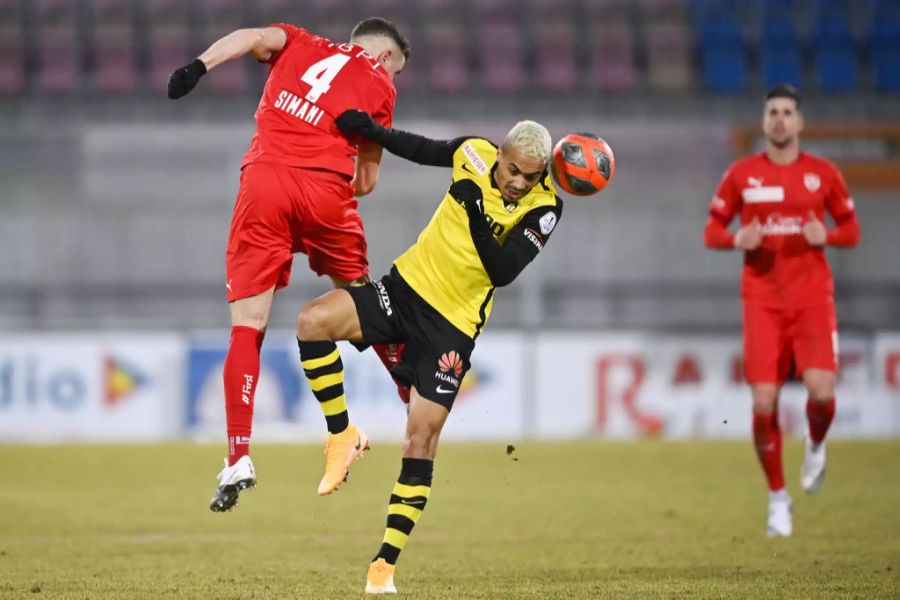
568, 520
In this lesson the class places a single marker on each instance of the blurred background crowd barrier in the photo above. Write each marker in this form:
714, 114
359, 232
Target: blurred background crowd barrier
115, 204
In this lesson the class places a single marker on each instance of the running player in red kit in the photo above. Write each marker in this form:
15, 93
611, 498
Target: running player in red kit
781, 196
296, 194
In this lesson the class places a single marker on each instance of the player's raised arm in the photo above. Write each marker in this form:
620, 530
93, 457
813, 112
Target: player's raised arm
411, 146
262, 43
504, 263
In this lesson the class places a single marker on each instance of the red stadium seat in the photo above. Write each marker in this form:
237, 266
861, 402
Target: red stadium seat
12, 65
668, 55
446, 58
59, 54
113, 43
501, 39
611, 54
556, 60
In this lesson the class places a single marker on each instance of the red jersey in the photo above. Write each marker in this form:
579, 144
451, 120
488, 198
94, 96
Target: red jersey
312, 81
785, 271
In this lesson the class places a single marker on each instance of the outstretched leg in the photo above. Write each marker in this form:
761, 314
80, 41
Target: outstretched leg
412, 490
249, 317
320, 324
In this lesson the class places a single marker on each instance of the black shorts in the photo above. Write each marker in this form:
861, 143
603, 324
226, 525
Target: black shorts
436, 355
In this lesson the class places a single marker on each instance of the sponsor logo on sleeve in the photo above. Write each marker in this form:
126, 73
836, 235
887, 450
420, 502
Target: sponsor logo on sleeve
548, 222
474, 159
534, 238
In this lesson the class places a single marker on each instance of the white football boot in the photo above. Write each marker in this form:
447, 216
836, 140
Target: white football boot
232, 481
812, 474
780, 522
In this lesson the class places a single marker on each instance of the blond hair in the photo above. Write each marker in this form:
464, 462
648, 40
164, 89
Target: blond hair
531, 138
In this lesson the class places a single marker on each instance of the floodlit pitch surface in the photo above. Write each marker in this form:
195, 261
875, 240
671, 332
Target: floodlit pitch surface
568, 520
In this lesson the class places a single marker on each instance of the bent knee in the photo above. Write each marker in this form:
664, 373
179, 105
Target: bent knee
821, 389
312, 323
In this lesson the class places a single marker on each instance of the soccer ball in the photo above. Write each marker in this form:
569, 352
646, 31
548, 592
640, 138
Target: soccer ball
582, 164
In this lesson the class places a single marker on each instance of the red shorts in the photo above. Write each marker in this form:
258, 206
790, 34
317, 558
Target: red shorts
776, 339
282, 210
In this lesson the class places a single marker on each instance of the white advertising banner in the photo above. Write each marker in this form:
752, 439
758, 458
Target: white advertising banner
89, 387
640, 385
488, 405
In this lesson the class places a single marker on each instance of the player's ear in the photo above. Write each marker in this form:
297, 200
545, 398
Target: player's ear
801, 122
384, 56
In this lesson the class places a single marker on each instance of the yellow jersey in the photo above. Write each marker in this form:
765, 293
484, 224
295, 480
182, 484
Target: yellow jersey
444, 267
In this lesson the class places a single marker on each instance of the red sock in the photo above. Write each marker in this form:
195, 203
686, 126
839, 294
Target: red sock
767, 438
241, 374
390, 358
819, 414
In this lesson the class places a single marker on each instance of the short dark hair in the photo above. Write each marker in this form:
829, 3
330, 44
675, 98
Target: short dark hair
379, 26
784, 90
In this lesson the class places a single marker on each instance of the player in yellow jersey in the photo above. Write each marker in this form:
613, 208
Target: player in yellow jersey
496, 216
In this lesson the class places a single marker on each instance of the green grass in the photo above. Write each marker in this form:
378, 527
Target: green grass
568, 520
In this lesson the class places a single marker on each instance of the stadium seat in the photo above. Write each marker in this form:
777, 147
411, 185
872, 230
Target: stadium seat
668, 56
722, 54
59, 54
885, 52
611, 56
662, 10
501, 39
114, 66
12, 65
12, 50
703, 9
835, 55
823, 8
772, 8
220, 17
780, 53
556, 58
446, 57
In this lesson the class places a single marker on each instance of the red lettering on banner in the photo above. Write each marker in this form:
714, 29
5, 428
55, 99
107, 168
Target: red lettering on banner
847, 360
687, 371
892, 370
737, 370
646, 424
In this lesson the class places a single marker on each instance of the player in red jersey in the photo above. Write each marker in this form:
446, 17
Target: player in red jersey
296, 194
781, 196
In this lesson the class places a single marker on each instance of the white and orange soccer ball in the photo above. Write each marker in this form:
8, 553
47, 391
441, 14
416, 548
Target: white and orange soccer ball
582, 164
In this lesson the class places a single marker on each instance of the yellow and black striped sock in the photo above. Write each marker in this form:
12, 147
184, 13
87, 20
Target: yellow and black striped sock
407, 502
325, 372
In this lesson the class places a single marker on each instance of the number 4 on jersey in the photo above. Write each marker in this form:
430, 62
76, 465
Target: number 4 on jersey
320, 75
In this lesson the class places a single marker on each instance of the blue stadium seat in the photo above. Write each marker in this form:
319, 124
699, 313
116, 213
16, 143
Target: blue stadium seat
702, 9
835, 55
780, 53
831, 7
722, 54
885, 50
